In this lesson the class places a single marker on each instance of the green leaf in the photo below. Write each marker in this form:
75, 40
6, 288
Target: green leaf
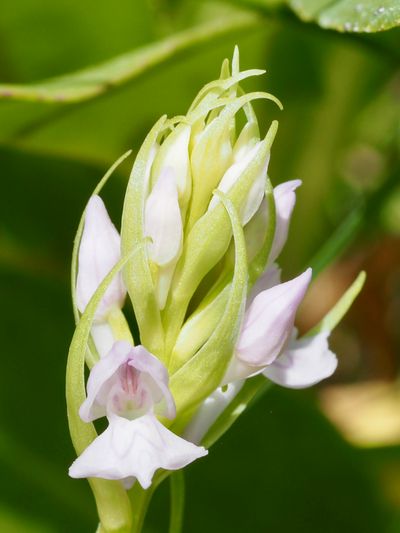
350, 15
99, 79
335, 315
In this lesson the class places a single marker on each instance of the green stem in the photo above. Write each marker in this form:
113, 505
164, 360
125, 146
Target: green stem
177, 481
140, 500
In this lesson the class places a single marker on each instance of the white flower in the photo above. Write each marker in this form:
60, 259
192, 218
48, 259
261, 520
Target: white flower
130, 386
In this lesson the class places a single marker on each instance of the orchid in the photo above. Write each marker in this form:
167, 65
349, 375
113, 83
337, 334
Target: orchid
128, 385
202, 228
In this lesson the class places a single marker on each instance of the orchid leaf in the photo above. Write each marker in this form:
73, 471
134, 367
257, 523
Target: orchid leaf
335, 315
102, 78
349, 15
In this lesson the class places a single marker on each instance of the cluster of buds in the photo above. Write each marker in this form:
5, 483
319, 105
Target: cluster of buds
202, 228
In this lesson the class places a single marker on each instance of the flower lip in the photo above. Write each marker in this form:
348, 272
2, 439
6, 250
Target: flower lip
134, 449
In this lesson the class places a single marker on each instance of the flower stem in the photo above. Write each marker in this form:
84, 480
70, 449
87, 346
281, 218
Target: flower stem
140, 500
177, 501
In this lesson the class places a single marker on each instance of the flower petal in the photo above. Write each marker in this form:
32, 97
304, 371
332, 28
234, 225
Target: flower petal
270, 278
99, 252
104, 380
173, 157
134, 449
285, 199
147, 363
257, 190
101, 381
269, 321
163, 222
306, 362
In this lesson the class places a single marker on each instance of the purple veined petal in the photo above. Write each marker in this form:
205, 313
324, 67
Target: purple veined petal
163, 221
269, 320
285, 199
148, 364
267, 280
128, 381
134, 449
99, 251
306, 362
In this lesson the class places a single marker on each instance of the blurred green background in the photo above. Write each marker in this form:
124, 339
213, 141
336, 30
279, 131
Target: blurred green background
319, 461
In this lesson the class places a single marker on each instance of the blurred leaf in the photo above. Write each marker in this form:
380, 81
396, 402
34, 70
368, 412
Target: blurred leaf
93, 81
335, 315
350, 15
12, 522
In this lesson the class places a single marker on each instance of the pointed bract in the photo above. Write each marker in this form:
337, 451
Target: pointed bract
306, 362
130, 449
99, 251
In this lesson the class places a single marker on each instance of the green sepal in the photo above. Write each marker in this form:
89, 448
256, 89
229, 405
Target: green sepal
137, 273
203, 373
111, 498
206, 244
335, 315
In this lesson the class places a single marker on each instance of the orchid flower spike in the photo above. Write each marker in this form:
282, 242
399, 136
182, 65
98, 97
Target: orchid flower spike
202, 228
130, 387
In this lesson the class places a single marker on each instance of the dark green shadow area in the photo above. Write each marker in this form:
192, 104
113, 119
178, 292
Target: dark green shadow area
282, 468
